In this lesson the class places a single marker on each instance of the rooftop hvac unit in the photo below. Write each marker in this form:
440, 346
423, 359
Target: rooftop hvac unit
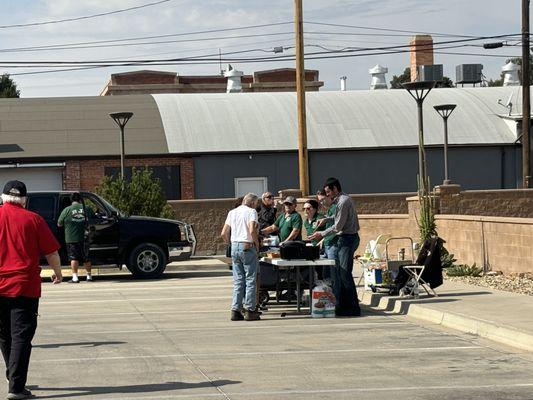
468, 73
430, 72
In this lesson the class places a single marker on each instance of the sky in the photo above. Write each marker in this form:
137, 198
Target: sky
476, 18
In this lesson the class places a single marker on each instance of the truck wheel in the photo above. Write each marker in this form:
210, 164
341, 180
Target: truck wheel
147, 260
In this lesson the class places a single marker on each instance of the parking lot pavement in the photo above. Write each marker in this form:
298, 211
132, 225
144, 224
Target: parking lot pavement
118, 338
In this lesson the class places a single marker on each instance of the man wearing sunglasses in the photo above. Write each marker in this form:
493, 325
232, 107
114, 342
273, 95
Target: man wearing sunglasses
266, 211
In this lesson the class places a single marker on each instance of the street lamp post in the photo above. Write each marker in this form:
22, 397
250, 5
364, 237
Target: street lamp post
419, 91
121, 119
444, 111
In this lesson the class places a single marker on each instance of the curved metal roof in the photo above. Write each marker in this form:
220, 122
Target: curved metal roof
235, 122
352, 119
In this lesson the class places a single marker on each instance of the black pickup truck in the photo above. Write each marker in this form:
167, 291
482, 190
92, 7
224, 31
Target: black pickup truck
144, 244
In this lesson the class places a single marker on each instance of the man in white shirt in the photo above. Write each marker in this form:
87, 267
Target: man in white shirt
241, 229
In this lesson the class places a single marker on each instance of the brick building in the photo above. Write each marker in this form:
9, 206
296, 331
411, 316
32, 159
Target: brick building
150, 82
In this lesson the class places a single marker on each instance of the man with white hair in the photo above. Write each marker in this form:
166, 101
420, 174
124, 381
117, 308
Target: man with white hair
24, 236
241, 230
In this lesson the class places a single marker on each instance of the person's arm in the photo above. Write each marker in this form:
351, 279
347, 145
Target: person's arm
293, 235
254, 231
226, 233
55, 262
62, 216
270, 229
341, 215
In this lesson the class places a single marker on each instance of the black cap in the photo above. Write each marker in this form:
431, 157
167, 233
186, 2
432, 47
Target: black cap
15, 188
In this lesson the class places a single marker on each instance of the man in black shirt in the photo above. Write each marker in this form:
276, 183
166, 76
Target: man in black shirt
266, 211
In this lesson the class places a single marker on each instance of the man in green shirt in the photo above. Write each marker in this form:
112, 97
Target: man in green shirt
288, 224
73, 218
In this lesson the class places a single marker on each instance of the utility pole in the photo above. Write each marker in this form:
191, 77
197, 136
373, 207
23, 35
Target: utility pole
303, 162
526, 106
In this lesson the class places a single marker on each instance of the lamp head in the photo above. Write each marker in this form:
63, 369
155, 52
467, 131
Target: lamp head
445, 109
121, 118
419, 89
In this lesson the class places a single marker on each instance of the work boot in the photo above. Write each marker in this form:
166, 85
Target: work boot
236, 315
252, 315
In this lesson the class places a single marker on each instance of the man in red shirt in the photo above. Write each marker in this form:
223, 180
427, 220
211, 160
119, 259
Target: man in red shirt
24, 237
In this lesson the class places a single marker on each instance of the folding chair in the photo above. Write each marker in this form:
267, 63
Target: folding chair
377, 250
427, 273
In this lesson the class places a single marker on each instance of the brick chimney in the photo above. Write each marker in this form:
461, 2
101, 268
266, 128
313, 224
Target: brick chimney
421, 53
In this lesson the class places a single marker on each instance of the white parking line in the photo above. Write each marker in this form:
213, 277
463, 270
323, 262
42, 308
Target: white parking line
266, 353
136, 289
233, 328
70, 302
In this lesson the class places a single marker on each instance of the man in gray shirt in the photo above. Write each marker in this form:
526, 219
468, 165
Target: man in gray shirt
346, 226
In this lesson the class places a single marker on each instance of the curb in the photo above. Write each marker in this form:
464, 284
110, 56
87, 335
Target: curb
464, 323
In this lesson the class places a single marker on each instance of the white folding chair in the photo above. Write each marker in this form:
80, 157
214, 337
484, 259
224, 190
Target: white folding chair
377, 251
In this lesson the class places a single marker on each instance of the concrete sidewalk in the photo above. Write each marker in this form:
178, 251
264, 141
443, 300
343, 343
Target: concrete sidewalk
496, 315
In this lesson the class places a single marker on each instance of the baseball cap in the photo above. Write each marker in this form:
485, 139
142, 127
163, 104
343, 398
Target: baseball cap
290, 200
15, 188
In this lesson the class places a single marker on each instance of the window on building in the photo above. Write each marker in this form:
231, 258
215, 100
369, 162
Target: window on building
169, 176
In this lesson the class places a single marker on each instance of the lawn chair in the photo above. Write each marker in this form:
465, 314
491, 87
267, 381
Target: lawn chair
376, 254
425, 273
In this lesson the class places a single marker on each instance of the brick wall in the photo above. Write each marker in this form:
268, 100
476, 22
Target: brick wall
499, 243
501, 203
421, 53
207, 218
382, 203
87, 174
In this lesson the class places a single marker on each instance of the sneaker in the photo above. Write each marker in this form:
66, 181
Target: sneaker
89, 279
236, 315
252, 315
74, 281
25, 394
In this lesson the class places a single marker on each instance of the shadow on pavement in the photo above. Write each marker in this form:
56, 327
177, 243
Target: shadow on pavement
126, 277
107, 390
75, 344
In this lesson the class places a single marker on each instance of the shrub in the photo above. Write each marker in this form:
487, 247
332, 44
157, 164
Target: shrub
141, 195
465, 270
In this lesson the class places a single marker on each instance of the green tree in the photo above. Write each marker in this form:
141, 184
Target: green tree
397, 80
8, 88
141, 195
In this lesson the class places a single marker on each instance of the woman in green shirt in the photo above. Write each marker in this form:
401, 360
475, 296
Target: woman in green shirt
311, 218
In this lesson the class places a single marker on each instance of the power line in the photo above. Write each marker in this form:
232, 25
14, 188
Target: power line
215, 60
388, 30
77, 45
57, 21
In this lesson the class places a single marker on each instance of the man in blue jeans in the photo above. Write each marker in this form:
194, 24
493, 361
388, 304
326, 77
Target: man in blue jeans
346, 226
241, 229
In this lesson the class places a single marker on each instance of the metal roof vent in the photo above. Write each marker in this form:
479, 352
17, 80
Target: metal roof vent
234, 80
378, 77
510, 72
343, 83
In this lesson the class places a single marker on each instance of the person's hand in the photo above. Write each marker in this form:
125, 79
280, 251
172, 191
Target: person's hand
315, 236
57, 278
